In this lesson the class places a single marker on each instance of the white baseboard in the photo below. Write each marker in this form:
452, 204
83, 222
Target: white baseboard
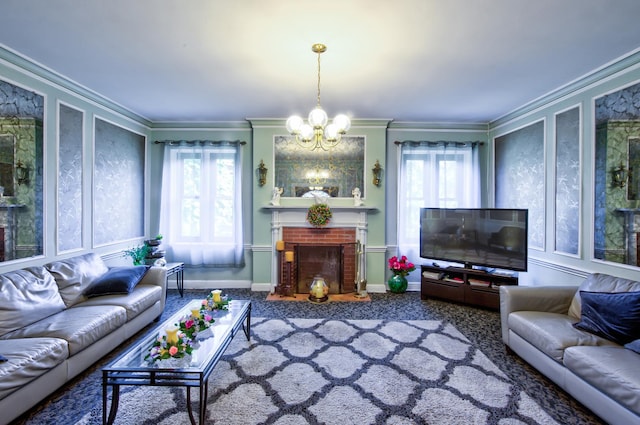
212, 284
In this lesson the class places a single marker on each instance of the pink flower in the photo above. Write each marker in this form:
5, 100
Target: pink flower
207, 318
188, 324
204, 302
173, 350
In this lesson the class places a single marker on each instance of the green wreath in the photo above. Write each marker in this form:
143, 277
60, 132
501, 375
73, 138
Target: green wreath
319, 215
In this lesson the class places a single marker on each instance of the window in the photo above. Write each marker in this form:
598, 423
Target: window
433, 174
201, 215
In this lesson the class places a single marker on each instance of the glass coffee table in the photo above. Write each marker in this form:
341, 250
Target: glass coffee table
130, 368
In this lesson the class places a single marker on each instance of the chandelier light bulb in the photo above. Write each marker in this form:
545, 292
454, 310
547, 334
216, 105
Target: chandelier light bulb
331, 132
294, 123
306, 132
318, 117
342, 122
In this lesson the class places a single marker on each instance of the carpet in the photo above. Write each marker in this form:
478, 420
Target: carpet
311, 371
332, 297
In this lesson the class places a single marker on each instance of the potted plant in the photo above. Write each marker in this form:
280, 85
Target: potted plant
400, 268
137, 254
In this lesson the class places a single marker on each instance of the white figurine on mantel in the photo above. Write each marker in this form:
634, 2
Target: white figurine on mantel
275, 195
356, 197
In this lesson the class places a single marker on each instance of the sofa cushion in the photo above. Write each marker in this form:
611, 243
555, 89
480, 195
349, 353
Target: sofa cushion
26, 296
74, 275
80, 326
599, 282
615, 316
613, 370
117, 280
29, 358
551, 333
633, 346
139, 300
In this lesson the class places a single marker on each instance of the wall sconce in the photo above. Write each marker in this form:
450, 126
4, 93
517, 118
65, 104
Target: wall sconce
262, 174
377, 172
22, 173
619, 176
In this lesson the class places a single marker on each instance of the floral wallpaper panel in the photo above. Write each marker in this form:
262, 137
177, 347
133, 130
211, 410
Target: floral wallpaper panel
118, 184
567, 210
69, 179
519, 176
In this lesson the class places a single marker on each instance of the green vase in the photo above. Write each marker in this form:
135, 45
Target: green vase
397, 284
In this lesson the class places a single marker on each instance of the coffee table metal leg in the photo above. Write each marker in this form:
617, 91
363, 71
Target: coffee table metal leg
115, 400
193, 420
204, 390
247, 328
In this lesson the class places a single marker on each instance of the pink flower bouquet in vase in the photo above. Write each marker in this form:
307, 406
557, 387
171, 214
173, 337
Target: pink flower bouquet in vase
400, 267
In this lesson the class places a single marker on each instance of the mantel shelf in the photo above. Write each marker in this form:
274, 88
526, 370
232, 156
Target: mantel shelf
344, 208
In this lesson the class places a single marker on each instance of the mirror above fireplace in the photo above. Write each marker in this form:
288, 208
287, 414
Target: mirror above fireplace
333, 173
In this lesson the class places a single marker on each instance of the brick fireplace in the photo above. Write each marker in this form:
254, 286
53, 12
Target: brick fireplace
347, 228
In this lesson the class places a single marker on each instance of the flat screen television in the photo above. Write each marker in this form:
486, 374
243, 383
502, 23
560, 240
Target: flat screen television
485, 237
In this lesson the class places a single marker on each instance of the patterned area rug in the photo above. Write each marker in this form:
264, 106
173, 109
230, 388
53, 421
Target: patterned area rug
311, 371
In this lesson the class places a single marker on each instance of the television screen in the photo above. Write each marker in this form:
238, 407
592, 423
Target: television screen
488, 237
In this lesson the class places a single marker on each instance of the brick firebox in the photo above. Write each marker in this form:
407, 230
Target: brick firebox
342, 237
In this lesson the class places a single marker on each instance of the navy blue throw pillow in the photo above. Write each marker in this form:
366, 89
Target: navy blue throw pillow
3, 358
611, 315
633, 346
118, 280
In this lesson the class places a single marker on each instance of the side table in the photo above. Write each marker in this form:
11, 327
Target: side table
178, 270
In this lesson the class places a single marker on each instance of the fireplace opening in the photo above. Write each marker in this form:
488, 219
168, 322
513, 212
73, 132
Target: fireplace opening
319, 260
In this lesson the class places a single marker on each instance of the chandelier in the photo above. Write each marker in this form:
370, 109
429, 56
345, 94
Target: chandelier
317, 134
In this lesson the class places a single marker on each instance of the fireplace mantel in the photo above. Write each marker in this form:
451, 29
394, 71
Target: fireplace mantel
347, 208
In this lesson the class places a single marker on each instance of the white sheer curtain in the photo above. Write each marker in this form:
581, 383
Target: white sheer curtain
433, 174
201, 205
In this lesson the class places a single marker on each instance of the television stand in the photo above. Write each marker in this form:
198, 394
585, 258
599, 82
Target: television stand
463, 285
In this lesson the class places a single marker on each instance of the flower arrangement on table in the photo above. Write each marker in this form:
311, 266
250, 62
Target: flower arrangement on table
173, 345
215, 301
401, 266
195, 323
319, 215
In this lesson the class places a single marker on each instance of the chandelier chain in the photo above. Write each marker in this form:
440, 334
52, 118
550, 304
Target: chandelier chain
319, 78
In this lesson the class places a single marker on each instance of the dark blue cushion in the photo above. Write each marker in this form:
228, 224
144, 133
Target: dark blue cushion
3, 358
118, 280
634, 346
615, 316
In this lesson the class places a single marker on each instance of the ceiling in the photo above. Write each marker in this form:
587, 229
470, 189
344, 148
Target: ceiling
407, 60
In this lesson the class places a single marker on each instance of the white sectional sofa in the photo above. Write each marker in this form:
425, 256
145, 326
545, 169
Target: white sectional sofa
586, 339
57, 320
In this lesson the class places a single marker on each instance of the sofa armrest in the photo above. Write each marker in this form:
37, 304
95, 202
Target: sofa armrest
157, 276
552, 299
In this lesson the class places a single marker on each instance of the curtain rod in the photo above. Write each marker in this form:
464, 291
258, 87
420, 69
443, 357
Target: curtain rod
436, 143
200, 142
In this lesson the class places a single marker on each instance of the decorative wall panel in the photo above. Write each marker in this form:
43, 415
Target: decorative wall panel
69, 179
567, 208
519, 176
118, 184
